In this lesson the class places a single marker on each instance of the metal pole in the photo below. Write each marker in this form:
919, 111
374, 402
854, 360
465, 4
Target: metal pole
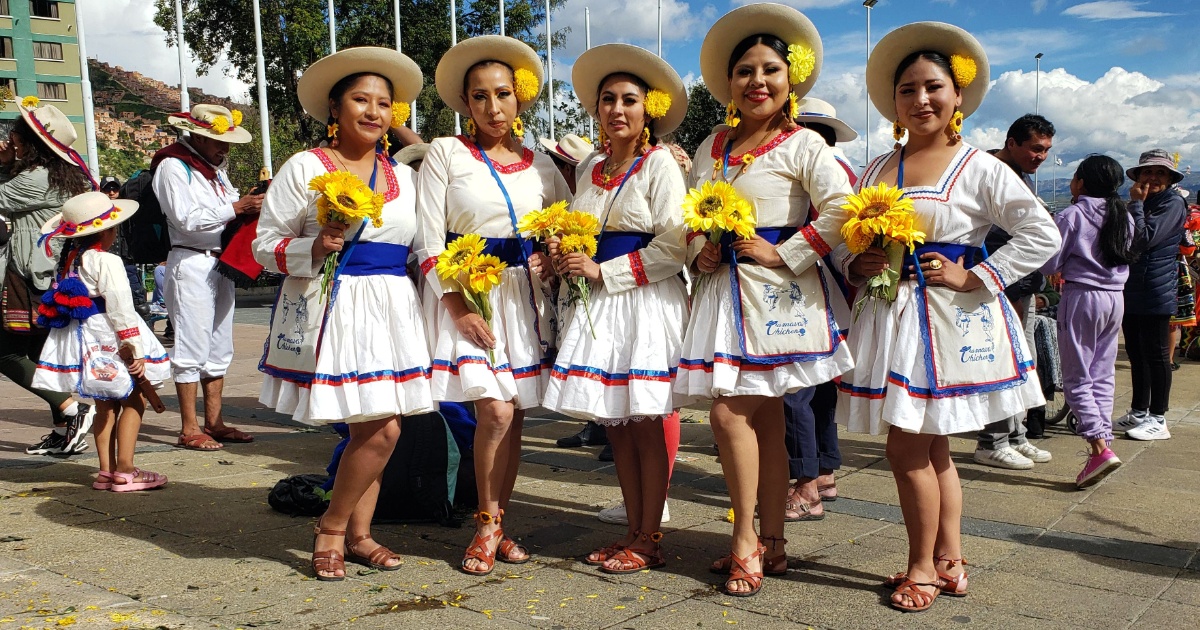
1037, 89
501, 17
587, 43
550, 68
184, 101
89, 121
453, 41
867, 108
264, 116
400, 48
660, 28
332, 29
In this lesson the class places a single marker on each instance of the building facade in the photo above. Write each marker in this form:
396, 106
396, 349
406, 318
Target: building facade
39, 56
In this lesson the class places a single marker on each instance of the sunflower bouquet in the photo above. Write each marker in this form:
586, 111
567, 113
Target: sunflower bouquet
343, 198
883, 217
716, 209
579, 232
476, 273
543, 224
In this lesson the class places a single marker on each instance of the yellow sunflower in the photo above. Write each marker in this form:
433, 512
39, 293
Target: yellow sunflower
711, 206
544, 223
344, 197
580, 223
459, 256
880, 211
484, 272
581, 243
30, 102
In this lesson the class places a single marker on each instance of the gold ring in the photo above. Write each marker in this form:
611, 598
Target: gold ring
935, 264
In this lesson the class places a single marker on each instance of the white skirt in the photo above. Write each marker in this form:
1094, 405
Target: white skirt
58, 368
628, 369
712, 364
516, 370
372, 361
886, 387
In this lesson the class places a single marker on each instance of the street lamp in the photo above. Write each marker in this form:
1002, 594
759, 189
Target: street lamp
869, 4
1037, 83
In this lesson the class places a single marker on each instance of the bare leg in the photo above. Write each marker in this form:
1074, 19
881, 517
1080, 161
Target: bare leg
920, 503
214, 388
772, 468
645, 491
513, 444
494, 420
187, 393
360, 522
736, 437
102, 430
625, 460
128, 428
949, 535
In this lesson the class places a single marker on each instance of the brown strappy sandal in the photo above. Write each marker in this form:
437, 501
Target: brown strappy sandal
633, 561
508, 545
376, 559
775, 566
921, 601
604, 554
952, 585
479, 549
738, 570
330, 560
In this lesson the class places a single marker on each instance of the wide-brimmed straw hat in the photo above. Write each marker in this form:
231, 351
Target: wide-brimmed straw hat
570, 148
819, 112
54, 129
514, 53
319, 78
1156, 157
88, 213
593, 65
783, 22
947, 39
412, 153
212, 121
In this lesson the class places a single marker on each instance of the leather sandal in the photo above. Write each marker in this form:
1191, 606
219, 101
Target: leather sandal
802, 510
952, 585
921, 601
604, 553
376, 559
633, 561
828, 493
775, 566
739, 571
508, 545
480, 547
330, 560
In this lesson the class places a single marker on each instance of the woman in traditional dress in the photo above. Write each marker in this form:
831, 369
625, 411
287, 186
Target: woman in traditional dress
482, 183
948, 353
615, 363
769, 322
324, 361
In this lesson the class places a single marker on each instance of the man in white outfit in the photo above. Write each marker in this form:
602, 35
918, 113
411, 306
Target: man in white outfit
198, 201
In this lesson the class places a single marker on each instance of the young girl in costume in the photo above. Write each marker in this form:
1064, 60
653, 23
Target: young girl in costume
99, 347
1097, 232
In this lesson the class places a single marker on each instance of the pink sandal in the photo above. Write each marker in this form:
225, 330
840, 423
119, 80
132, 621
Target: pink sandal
103, 481
149, 481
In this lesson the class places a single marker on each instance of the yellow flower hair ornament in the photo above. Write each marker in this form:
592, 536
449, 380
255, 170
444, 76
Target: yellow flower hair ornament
30, 102
964, 70
220, 124
400, 113
793, 105
956, 125
801, 62
525, 85
657, 104
331, 130
732, 120
237, 117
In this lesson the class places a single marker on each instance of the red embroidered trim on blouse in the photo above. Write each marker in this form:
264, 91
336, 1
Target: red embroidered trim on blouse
598, 172
639, 271
692, 236
128, 333
281, 255
428, 264
507, 169
814, 239
393, 186
718, 145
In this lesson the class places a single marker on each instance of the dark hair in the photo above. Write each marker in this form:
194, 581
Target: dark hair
483, 64
825, 131
644, 87
1024, 127
72, 252
932, 56
766, 39
344, 84
1101, 176
65, 178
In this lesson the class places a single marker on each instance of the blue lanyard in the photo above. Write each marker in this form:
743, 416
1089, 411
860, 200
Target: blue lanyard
346, 254
613, 201
512, 213
900, 171
725, 161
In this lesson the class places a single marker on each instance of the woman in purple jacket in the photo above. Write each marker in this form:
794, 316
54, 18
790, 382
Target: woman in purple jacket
1097, 231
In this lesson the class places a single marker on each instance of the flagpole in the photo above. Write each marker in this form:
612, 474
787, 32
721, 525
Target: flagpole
587, 43
332, 29
550, 68
660, 28
184, 101
454, 41
412, 107
501, 17
89, 121
264, 116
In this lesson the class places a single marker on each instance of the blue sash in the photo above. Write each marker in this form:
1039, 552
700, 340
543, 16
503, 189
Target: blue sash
377, 259
970, 254
512, 251
614, 244
773, 235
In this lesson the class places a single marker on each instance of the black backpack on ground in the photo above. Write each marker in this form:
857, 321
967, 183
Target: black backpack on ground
299, 496
415, 487
147, 240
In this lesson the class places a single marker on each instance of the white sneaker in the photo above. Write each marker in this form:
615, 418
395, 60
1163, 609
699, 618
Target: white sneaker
1131, 419
1006, 457
617, 515
1154, 428
1035, 454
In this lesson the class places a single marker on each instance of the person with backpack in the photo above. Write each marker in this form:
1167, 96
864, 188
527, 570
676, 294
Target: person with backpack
39, 171
196, 197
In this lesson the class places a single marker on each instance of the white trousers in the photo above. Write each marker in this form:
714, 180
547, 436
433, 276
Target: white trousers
200, 302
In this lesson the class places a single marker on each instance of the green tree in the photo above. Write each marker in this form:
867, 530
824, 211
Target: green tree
295, 34
702, 114
120, 163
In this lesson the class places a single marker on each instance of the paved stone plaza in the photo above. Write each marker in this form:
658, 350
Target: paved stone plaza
207, 551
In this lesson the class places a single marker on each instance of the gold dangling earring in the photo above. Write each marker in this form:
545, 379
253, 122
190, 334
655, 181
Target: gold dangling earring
731, 116
604, 144
898, 131
331, 132
518, 127
954, 129
793, 106
469, 127
386, 144
645, 137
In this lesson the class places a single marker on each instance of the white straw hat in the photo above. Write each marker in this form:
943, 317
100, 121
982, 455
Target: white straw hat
817, 111
947, 39
453, 67
322, 75
593, 65
570, 148
54, 129
88, 213
212, 121
783, 22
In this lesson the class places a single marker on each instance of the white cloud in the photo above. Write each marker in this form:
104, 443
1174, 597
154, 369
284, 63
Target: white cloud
123, 33
1112, 10
803, 4
1017, 46
629, 21
1038, 6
